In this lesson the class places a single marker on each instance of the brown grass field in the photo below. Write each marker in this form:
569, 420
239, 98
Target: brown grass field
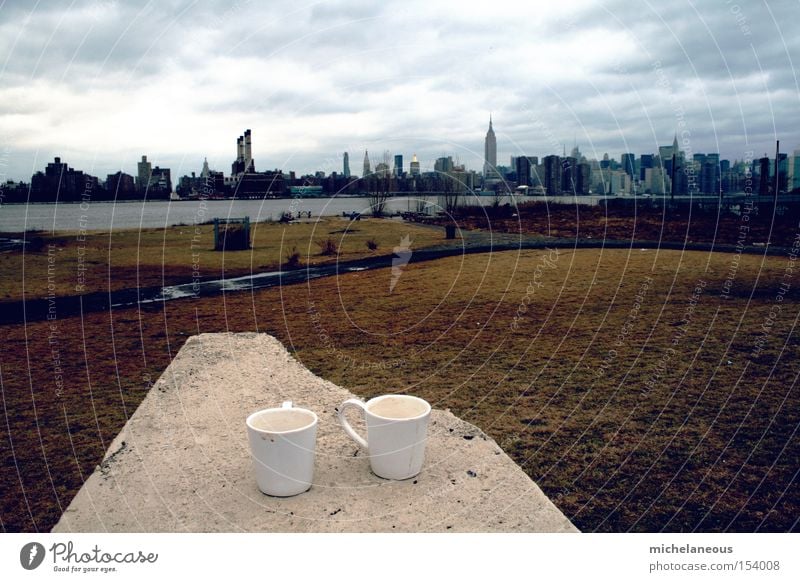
125, 259
675, 411
644, 222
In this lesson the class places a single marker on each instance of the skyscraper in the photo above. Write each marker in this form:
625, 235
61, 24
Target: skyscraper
522, 166
398, 165
143, 173
490, 153
628, 164
367, 170
552, 175
346, 168
794, 171
414, 166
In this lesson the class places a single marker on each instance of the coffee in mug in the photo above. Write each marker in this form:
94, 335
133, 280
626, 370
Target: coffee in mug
282, 443
397, 430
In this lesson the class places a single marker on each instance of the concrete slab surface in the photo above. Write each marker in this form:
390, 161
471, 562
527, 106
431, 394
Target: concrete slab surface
182, 461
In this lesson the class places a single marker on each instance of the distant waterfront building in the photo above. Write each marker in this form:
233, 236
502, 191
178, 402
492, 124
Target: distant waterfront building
783, 172
367, 170
522, 166
443, 165
490, 154
646, 161
414, 166
244, 163
764, 181
206, 171
794, 171
346, 164
655, 181
628, 164
143, 171
120, 185
569, 175
398, 165
584, 183
552, 175
160, 182
59, 182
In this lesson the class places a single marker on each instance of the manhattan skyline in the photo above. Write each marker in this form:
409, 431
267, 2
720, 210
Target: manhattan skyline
101, 84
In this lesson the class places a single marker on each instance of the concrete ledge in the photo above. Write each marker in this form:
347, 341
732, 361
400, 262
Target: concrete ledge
182, 463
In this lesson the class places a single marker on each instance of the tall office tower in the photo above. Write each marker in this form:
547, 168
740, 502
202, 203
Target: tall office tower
143, 173
628, 164
398, 165
522, 165
443, 165
206, 170
367, 170
569, 175
763, 174
552, 175
490, 153
414, 169
346, 163
710, 174
646, 161
584, 183
783, 172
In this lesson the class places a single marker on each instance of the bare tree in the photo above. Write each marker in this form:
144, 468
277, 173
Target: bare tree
379, 187
450, 192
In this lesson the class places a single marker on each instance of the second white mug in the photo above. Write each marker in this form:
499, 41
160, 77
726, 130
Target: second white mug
282, 444
397, 431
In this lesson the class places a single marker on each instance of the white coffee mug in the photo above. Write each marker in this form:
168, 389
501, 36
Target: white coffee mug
282, 442
397, 427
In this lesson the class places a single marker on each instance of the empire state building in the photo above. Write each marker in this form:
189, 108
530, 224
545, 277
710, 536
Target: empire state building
490, 153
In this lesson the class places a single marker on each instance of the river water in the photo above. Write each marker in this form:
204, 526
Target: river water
118, 215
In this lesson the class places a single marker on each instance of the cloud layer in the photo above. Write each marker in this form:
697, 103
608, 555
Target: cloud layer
101, 83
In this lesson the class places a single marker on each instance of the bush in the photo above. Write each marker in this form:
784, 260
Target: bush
292, 259
328, 247
372, 244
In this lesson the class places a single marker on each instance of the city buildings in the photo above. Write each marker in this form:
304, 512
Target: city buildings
670, 171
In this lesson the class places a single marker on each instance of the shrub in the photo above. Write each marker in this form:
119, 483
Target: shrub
328, 247
292, 259
372, 244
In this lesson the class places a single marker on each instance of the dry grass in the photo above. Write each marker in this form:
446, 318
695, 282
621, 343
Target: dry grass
150, 257
710, 445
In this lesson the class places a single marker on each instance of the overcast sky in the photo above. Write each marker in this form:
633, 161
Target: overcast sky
100, 83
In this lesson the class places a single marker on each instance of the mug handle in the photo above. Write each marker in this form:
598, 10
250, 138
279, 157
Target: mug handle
354, 403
